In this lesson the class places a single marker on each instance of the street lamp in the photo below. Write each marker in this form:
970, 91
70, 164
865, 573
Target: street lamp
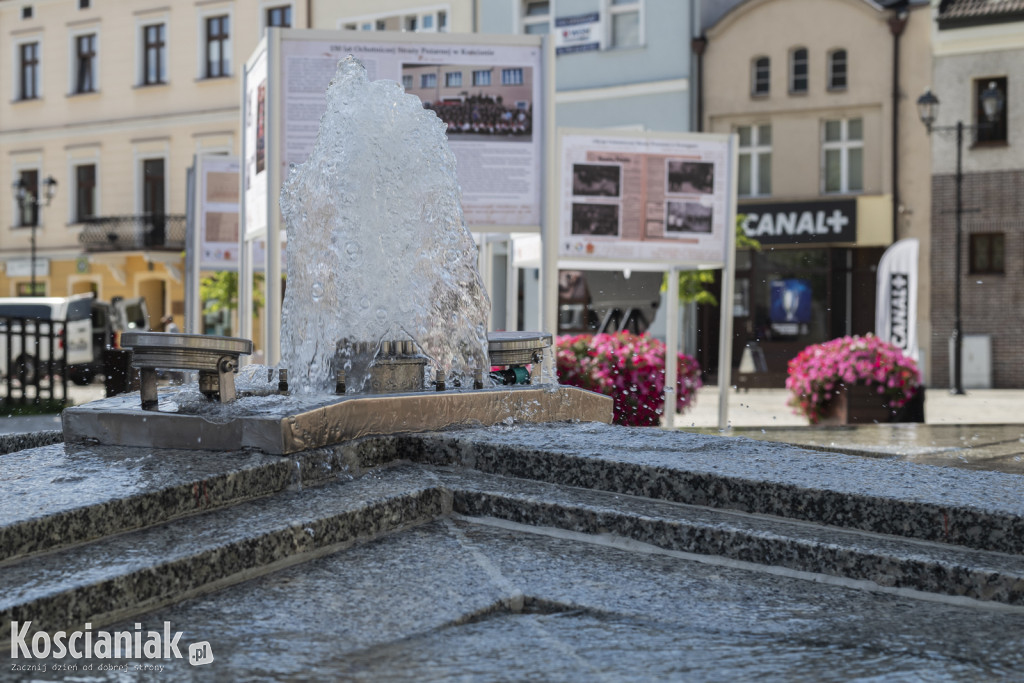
927, 108
25, 199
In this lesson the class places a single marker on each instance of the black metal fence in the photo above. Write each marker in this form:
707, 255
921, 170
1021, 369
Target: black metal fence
34, 353
128, 233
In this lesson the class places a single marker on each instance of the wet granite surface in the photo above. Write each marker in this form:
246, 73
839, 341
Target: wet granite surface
157, 527
458, 600
982, 510
997, 448
11, 443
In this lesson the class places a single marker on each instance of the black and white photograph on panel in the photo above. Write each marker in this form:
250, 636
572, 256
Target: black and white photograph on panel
595, 219
596, 180
687, 217
689, 177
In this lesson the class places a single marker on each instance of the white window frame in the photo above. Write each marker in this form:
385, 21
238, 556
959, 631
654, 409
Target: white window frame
754, 92
73, 60
509, 76
16, 67
141, 23
843, 145
73, 162
407, 81
490, 79
755, 151
202, 14
611, 10
144, 151
525, 20
269, 4
425, 77
33, 163
830, 65
450, 76
792, 71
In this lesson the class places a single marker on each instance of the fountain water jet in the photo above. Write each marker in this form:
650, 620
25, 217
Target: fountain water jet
378, 248
383, 293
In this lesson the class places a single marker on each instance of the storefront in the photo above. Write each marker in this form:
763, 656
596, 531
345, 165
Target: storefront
812, 280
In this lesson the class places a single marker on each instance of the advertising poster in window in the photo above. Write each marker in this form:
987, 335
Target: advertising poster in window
644, 199
255, 134
488, 95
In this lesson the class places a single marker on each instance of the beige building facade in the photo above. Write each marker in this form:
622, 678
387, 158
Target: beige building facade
832, 167
113, 100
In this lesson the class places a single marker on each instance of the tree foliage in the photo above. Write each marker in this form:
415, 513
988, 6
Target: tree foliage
219, 291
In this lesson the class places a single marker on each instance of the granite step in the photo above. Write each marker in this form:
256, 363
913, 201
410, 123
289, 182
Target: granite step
885, 560
56, 496
122, 575
129, 573
981, 510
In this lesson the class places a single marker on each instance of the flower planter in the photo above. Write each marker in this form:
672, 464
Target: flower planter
860, 404
857, 404
855, 380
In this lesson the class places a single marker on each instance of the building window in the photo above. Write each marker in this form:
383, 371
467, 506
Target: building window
624, 16
755, 160
453, 79
279, 16
442, 21
410, 23
482, 77
428, 22
843, 149
26, 12
28, 212
837, 70
996, 131
407, 82
218, 47
85, 192
511, 76
83, 4
537, 17
154, 54
798, 70
760, 77
85, 63
428, 80
987, 252
28, 71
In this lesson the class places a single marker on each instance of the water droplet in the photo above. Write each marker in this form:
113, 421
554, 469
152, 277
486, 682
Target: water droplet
317, 291
382, 314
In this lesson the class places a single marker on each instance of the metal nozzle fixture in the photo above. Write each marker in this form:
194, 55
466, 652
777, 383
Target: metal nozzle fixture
515, 351
216, 359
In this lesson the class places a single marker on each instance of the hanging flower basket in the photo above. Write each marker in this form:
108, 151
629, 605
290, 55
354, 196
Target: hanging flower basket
853, 380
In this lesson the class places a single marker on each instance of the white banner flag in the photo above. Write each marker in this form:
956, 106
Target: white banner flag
896, 301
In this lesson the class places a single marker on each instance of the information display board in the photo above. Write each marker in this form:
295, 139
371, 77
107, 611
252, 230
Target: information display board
644, 198
490, 96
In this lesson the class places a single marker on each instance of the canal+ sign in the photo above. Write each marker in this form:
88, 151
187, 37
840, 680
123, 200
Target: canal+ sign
801, 222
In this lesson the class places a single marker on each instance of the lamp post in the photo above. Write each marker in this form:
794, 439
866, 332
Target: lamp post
23, 195
927, 107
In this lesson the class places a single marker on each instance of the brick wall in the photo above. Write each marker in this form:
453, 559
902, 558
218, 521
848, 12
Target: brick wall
990, 304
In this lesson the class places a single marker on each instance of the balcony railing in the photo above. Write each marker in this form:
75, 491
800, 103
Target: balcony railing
131, 233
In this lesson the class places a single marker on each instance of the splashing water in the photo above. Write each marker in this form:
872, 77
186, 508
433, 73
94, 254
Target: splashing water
378, 248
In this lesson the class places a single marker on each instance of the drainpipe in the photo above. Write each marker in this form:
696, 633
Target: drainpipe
698, 45
897, 23
309, 13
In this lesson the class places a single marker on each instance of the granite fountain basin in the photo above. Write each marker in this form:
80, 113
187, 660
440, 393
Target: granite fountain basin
605, 552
